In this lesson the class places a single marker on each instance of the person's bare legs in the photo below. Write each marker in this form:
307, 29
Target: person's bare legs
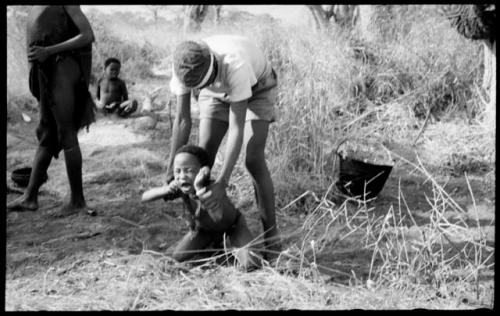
255, 141
29, 200
190, 245
127, 108
211, 133
65, 77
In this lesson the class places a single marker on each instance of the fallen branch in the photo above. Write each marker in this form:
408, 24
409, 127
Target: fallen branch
83, 235
77, 262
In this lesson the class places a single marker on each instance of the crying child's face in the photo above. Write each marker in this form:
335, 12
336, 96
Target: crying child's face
186, 167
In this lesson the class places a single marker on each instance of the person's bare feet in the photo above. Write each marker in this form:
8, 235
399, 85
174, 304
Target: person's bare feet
21, 204
68, 209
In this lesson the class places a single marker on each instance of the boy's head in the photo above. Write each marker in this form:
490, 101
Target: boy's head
194, 64
112, 67
188, 161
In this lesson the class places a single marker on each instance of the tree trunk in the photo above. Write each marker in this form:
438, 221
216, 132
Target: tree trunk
320, 16
194, 16
345, 16
217, 13
490, 82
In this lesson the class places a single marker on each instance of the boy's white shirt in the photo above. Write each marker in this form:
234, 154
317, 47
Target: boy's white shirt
240, 62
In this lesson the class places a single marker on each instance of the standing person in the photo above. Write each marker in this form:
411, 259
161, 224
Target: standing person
59, 47
238, 92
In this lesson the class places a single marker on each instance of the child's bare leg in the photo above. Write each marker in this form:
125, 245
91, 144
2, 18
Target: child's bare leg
241, 238
126, 108
29, 200
255, 140
190, 245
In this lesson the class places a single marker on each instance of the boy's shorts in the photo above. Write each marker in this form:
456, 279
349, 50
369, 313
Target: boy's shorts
260, 104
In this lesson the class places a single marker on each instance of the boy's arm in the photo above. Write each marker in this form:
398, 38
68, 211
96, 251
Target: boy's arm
181, 129
223, 205
237, 113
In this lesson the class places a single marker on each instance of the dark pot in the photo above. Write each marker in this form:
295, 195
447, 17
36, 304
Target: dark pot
357, 178
21, 176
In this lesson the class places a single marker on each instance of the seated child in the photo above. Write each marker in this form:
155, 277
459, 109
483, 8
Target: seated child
112, 94
191, 176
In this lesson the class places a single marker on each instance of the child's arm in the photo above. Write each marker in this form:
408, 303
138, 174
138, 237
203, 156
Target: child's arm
98, 90
124, 91
167, 192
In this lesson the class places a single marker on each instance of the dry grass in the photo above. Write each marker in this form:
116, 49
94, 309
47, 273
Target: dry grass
332, 87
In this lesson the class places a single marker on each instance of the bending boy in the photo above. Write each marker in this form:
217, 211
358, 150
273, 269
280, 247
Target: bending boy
238, 92
206, 225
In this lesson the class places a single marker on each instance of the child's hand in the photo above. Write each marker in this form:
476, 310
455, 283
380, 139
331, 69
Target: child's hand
112, 106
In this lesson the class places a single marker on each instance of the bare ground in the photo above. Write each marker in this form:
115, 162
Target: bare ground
73, 262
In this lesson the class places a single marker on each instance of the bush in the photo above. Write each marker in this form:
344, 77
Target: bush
137, 58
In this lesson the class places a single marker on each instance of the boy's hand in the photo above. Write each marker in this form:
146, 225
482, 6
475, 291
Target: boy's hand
209, 195
202, 179
38, 53
212, 195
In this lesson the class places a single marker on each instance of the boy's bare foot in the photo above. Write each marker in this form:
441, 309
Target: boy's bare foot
21, 205
69, 209
273, 249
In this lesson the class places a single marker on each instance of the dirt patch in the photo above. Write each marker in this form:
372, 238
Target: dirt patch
120, 163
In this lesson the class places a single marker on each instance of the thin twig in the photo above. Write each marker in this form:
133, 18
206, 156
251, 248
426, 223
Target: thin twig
423, 126
128, 221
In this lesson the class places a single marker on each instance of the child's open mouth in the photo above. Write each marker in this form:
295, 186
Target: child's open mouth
186, 186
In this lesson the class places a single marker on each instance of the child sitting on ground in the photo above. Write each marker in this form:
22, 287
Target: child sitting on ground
191, 177
112, 94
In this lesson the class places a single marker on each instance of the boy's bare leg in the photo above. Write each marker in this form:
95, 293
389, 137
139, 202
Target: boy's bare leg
211, 133
255, 141
241, 238
190, 245
73, 159
66, 75
29, 200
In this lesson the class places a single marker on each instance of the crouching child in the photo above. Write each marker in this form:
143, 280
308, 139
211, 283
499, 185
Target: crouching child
112, 93
207, 225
